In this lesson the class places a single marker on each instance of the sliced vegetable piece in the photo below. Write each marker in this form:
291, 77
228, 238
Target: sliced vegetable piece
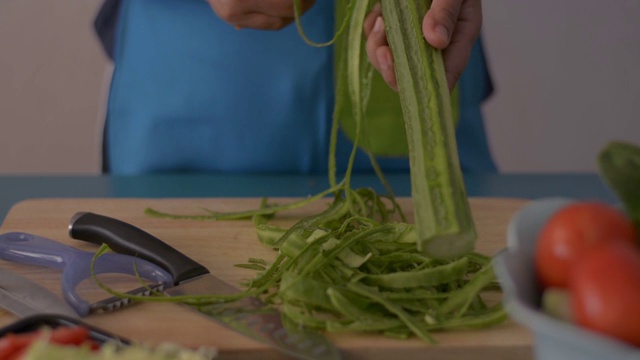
418, 327
430, 276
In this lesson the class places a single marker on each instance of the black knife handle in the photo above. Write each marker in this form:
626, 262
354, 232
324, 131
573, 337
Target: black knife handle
125, 238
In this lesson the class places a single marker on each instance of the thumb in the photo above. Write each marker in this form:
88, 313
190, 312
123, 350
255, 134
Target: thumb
440, 21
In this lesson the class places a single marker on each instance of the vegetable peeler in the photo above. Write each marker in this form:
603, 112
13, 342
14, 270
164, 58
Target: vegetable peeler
76, 266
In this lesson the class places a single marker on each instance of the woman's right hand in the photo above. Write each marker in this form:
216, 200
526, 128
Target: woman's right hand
450, 25
258, 14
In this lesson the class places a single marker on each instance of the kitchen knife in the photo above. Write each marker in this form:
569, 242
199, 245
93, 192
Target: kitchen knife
24, 297
249, 316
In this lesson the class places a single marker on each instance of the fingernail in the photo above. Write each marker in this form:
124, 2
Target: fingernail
443, 32
378, 25
385, 60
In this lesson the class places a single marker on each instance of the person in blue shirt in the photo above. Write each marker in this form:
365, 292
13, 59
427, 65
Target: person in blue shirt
229, 86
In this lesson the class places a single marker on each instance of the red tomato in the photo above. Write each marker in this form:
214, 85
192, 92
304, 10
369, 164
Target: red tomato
571, 232
605, 291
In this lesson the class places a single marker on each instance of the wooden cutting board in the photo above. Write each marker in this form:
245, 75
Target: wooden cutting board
220, 245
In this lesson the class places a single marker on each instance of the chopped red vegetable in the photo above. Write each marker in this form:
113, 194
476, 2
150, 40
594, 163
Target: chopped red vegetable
13, 346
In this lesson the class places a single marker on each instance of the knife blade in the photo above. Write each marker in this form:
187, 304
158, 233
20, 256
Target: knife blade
24, 297
248, 316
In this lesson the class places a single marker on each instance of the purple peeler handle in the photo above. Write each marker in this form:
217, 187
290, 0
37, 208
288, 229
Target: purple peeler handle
75, 263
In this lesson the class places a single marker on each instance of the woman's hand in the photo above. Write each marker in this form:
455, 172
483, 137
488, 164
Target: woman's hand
258, 14
450, 25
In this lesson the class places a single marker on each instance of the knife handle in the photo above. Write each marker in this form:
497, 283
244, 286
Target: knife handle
125, 238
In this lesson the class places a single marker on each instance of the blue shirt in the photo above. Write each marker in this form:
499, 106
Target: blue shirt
189, 92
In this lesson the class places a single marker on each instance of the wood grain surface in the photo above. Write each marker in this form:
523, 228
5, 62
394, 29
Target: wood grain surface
219, 245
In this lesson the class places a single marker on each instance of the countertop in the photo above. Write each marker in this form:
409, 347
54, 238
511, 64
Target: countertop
15, 188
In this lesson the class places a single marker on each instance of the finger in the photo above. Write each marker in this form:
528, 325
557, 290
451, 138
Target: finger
258, 14
457, 54
376, 39
440, 22
379, 52
385, 59
455, 60
274, 8
370, 20
260, 21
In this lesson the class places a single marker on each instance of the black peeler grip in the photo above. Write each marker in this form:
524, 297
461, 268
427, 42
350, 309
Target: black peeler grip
125, 238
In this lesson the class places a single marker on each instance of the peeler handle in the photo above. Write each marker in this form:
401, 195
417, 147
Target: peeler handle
108, 263
76, 265
36, 250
